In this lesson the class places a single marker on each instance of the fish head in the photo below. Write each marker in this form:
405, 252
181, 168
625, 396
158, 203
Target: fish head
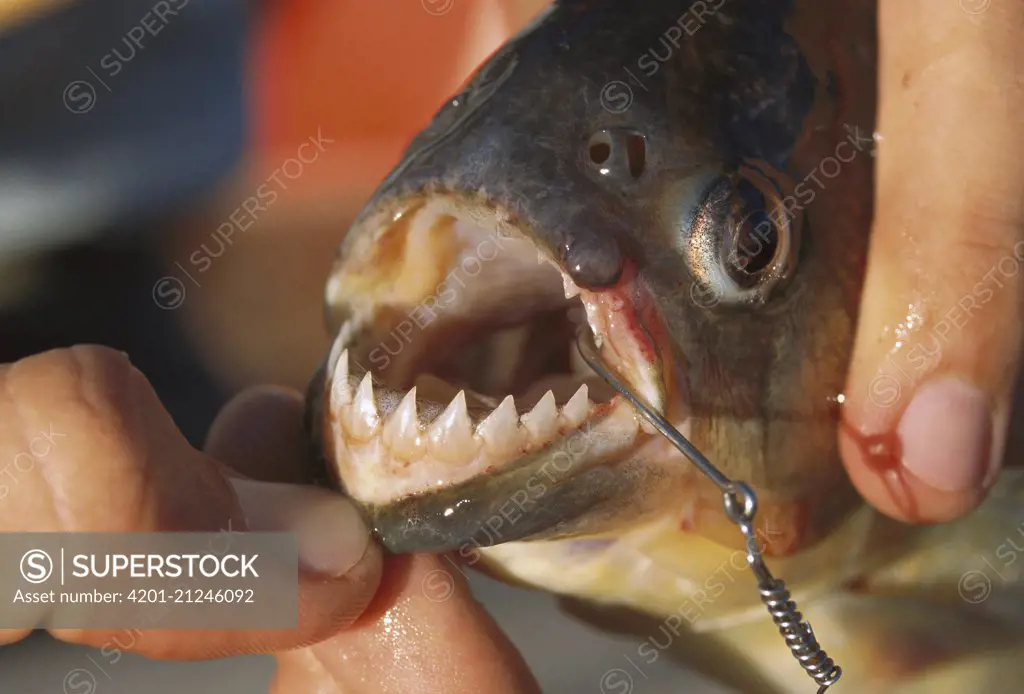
643, 175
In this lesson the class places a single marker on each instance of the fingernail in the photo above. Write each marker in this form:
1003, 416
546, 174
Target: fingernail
331, 534
946, 435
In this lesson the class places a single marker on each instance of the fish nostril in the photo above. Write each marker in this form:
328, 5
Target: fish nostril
618, 154
599, 152
636, 154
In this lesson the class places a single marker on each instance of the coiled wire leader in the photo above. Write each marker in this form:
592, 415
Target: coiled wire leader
740, 505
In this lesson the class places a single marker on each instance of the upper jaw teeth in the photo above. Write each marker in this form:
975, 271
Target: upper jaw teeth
454, 436
571, 290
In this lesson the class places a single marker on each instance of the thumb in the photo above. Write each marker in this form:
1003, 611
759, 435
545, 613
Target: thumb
113, 461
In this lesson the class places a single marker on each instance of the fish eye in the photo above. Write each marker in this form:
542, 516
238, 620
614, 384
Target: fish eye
743, 242
752, 236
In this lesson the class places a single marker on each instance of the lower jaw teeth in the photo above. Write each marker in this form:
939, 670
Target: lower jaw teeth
391, 439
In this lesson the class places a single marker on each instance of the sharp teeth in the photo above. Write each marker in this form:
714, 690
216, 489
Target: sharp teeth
500, 431
332, 358
363, 419
402, 430
341, 389
542, 420
578, 407
570, 287
347, 332
451, 434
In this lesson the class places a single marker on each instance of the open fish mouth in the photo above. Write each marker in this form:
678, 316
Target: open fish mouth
455, 385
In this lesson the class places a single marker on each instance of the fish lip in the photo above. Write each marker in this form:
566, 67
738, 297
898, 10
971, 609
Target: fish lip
420, 521
386, 207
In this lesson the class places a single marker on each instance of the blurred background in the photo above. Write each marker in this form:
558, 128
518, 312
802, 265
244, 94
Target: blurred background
154, 198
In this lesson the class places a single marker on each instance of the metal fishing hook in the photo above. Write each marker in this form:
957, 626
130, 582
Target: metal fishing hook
740, 504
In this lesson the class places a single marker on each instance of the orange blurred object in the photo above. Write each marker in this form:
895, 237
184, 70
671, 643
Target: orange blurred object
367, 74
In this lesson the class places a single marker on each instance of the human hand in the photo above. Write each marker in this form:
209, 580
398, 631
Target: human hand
939, 338
116, 462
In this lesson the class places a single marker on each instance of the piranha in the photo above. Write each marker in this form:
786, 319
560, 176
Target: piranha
691, 181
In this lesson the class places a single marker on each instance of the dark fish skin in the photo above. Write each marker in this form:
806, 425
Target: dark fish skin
518, 132
714, 87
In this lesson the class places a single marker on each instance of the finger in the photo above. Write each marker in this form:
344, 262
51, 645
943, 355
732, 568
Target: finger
425, 610
423, 633
939, 334
89, 447
260, 434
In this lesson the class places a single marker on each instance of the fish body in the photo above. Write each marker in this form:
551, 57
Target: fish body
692, 182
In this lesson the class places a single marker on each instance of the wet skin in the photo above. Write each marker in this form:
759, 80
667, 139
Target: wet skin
707, 169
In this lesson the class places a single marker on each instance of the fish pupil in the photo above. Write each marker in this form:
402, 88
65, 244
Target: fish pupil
756, 237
